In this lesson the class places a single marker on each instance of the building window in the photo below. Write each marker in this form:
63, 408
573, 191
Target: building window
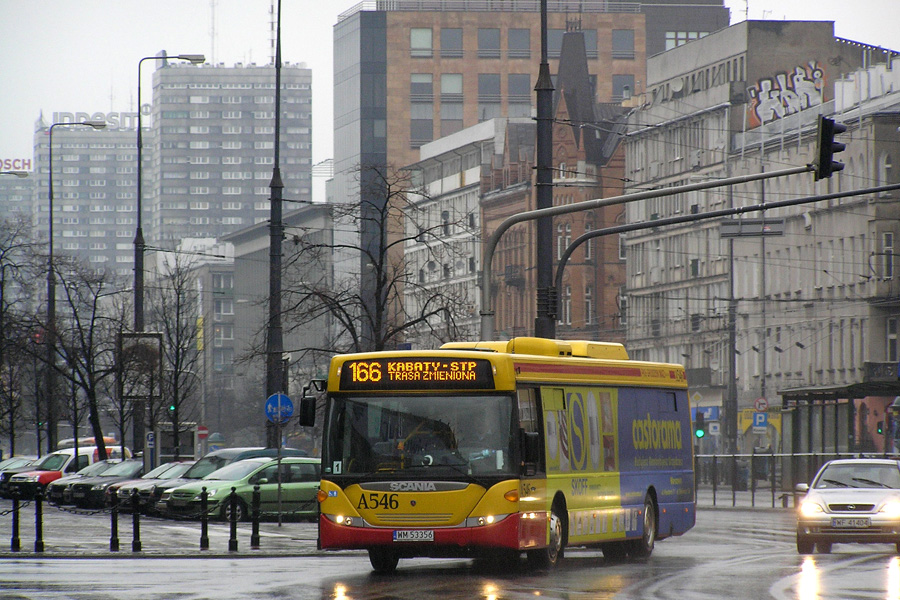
565, 309
887, 248
588, 305
519, 94
451, 103
622, 246
488, 43
421, 126
891, 353
680, 38
223, 281
623, 43
623, 308
222, 333
222, 307
588, 244
488, 96
563, 238
623, 87
519, 43
451, 43
420, 42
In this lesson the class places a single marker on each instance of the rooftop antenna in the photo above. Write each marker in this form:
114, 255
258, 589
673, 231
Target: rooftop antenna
272, 31
212, 32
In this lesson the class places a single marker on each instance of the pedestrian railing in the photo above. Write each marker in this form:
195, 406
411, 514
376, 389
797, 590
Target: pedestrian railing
760, 479
20, 509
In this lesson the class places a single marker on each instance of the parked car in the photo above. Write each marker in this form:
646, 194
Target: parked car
145, 486
855, 500
218, 459
299, 485
11, 466
51, 467
90, 492
58, 492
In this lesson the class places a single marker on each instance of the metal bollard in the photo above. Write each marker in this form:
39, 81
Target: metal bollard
254, 531
135, 522
204, 519
14, 544
38, 522
114, 525
232, 541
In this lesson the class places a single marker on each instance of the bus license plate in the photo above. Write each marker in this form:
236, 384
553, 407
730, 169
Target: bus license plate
414, 535
847, 523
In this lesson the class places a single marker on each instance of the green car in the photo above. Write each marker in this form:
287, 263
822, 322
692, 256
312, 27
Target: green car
299, 485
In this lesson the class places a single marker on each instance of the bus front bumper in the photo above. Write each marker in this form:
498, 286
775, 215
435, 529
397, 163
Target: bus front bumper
515, 532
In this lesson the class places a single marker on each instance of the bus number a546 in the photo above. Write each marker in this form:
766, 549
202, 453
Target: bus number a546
370, 501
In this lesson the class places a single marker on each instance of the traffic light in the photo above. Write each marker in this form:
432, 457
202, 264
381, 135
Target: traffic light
700, 425
880, 427
826, 147
171, 409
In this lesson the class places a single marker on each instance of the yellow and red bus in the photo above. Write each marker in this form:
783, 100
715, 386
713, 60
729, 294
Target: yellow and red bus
482, 449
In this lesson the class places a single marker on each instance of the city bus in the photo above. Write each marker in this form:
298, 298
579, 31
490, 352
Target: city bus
503, 448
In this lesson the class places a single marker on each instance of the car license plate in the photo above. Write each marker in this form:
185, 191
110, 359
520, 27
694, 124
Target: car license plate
414, 535
847, 523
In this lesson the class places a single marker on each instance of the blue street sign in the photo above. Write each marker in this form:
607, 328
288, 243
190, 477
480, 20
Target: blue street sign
279, 403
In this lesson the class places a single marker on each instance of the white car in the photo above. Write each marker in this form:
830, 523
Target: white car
850, 501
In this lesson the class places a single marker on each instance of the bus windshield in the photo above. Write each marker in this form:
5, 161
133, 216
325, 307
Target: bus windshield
420, 436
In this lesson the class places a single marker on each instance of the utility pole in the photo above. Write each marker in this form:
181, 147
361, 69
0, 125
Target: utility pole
274, 339
544, 325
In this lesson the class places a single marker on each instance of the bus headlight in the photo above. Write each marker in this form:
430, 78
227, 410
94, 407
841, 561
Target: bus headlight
345, 521
485, 520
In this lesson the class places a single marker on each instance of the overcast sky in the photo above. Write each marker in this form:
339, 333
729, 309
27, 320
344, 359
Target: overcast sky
82, 55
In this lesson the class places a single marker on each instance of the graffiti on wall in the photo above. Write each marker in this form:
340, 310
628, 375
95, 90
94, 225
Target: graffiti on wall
786, 93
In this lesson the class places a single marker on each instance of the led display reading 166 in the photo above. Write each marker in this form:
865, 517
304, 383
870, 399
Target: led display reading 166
361, 372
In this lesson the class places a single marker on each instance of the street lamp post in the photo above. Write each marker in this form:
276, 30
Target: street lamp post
194, 59
51, 288
140, 407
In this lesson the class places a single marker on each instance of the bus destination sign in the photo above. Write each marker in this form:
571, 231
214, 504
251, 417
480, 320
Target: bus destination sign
417, 374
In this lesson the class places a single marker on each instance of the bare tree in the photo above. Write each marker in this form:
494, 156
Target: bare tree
366, 307
174, 311
16, 277
87, 333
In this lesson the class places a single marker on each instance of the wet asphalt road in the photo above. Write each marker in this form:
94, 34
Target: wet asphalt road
731, 553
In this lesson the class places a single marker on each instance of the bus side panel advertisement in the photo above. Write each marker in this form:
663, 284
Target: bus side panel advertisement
655, 449
605, 447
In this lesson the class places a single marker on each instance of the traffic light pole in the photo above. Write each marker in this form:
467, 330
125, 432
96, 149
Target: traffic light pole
490, 246
731, 401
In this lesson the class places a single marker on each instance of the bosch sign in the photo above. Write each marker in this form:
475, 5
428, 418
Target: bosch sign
15, 164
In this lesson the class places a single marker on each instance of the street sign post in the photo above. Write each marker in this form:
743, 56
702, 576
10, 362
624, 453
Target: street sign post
279, 408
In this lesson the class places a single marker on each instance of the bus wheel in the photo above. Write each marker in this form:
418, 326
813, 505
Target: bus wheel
643, 547
383, 560
549, 557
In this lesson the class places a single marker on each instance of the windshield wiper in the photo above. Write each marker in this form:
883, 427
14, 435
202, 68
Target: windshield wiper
836, 482
870, 482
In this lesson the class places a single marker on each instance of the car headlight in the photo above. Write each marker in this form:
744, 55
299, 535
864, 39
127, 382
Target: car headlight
891, 508
211, 493
99, 487
809, 508
165, 496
